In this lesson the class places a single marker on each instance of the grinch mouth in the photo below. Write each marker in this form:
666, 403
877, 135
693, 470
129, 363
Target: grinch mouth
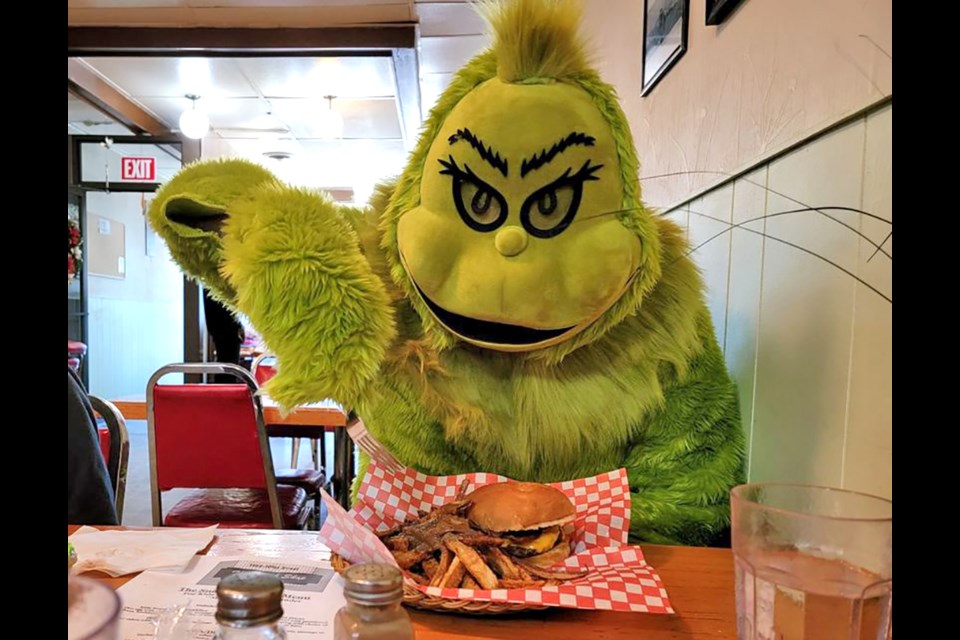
490, 332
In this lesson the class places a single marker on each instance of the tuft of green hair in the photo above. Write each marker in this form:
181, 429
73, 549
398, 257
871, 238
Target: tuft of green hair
537, 40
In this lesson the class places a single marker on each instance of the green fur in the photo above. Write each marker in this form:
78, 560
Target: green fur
291, 261
644, 386
204, 189
537, 41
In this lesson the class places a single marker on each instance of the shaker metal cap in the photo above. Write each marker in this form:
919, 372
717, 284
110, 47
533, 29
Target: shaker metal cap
249, 598
373, 584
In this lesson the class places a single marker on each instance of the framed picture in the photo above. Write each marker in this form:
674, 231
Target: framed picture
718, 10
664, 38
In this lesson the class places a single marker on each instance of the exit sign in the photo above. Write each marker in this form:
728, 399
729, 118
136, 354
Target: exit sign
138, 168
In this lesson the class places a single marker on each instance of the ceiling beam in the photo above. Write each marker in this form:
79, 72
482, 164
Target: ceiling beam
204, 41
407, 74
87, 85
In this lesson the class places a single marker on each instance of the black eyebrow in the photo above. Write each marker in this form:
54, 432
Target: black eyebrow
493, 158
547, 155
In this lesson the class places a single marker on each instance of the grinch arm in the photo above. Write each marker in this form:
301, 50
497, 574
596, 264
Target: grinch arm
688, 456
288, 259
398, 419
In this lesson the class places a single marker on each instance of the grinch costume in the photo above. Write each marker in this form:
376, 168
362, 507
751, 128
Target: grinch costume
507, 305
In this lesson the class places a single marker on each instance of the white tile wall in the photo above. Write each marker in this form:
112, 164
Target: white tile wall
744, 287
868, 459
709, 235
809, 346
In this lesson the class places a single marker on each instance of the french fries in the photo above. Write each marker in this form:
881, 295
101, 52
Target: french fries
472, 561
430, 566
454, 575
443, 549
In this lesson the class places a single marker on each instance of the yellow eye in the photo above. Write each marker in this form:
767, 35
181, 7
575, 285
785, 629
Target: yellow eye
480, 203
551, 209
480, 206
550, 206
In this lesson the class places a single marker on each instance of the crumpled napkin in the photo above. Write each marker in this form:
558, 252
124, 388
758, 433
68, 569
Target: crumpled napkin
118, 553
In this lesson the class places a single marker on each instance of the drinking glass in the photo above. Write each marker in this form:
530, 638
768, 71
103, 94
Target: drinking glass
93, 610
812, 563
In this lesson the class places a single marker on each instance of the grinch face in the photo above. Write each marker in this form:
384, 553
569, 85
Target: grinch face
516, 244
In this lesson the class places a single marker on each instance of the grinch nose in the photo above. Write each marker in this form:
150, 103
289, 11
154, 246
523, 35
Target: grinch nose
511, 241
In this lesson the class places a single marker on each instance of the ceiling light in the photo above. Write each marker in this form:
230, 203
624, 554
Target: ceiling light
331, 121
195, 76
194, 123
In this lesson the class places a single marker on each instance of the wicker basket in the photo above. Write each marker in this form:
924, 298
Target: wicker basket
420, 600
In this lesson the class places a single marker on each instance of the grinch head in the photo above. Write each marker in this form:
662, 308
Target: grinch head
517, 225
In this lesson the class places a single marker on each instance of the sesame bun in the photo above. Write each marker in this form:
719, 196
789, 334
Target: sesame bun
519, 506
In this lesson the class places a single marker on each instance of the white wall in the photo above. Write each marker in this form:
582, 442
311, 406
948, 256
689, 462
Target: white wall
135, 324
775, 72
809, 346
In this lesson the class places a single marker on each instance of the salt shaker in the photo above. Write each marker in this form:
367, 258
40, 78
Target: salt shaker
374, 593
249, 607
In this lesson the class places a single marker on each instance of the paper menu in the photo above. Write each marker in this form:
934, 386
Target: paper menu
185, 602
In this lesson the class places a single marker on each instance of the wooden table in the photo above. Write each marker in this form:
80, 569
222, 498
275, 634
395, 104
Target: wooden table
309, 421
699, 582
322, 414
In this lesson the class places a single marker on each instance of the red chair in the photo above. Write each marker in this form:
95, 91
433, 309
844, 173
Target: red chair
264, 367
211, 437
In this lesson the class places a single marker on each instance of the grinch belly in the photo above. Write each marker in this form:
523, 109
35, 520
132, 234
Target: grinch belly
524, 419
675, 430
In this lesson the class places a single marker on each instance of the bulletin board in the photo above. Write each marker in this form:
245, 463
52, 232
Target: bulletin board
106, 247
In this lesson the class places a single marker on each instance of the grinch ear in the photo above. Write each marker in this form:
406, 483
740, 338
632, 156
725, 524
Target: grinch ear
192, 228
196, 202
193, 213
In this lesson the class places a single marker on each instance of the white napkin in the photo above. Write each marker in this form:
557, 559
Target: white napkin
118, 553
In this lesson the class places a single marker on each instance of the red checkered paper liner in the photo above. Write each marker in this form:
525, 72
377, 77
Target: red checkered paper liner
618, 577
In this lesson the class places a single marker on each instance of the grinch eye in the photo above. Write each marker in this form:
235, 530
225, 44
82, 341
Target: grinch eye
480, 206
550, 210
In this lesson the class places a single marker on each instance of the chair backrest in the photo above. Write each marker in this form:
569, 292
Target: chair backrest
90, 495
115, 447
264, 367
208, 436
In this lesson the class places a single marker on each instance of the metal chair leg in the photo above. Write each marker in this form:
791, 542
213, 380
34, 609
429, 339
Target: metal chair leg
313, 453
296, 453
323, 452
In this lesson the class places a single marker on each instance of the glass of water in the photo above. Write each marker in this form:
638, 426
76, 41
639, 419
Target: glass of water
812, 563
93, 610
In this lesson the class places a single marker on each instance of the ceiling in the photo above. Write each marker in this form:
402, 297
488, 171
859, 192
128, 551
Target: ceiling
238, 13
450, 34
245, 97
259, 105
82, 119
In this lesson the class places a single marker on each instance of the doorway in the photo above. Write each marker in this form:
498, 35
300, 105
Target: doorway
127, 305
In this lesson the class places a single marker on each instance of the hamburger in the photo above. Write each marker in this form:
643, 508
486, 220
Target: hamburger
531, 517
